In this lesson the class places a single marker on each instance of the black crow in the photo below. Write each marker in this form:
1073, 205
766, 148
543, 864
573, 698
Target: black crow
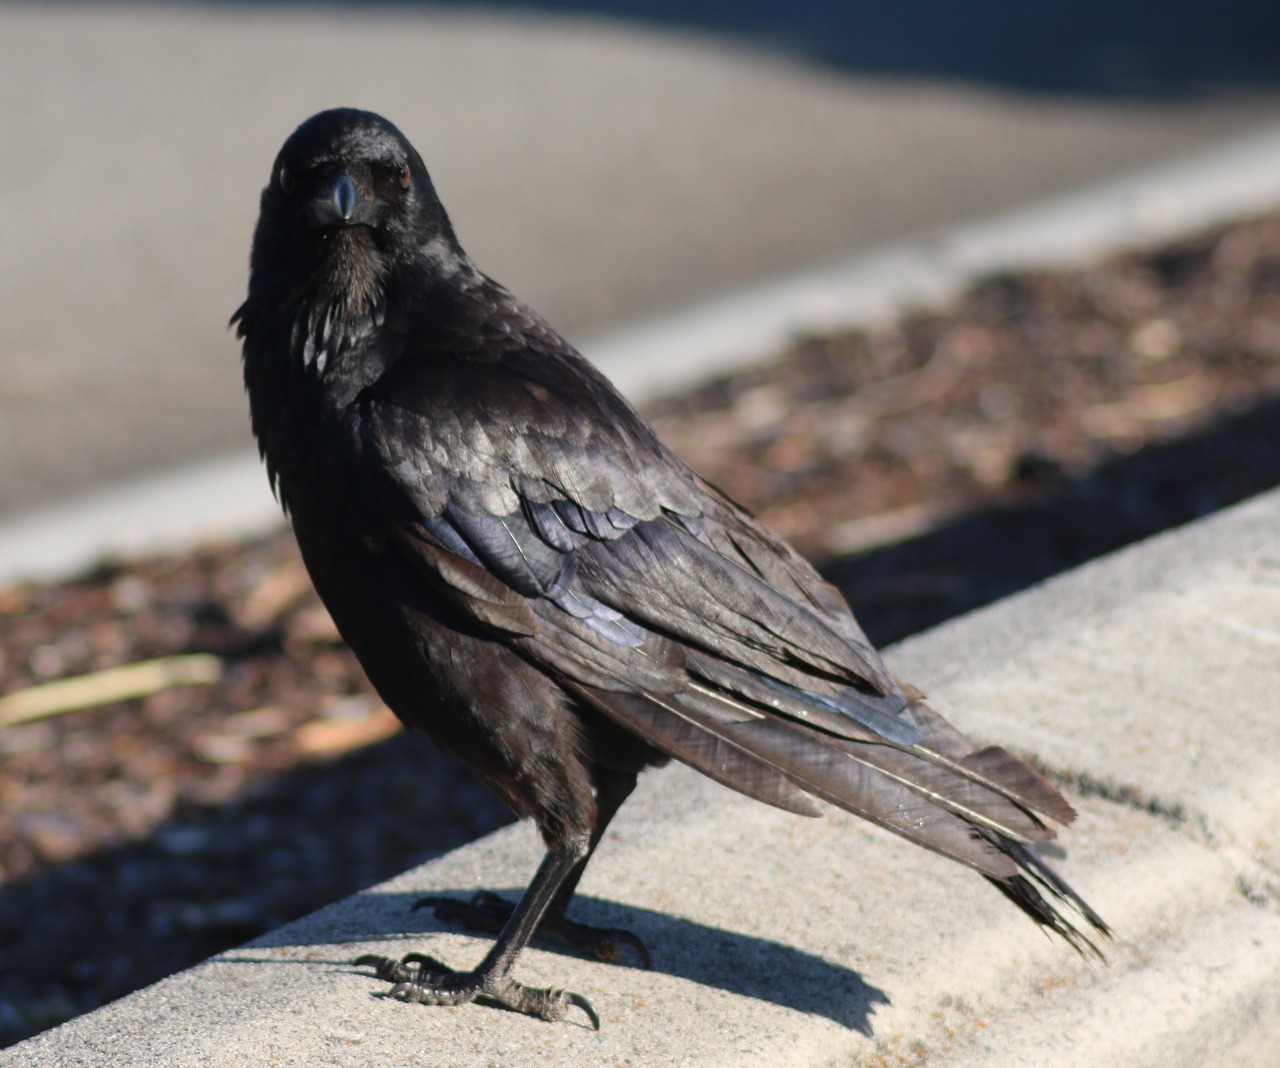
531, 579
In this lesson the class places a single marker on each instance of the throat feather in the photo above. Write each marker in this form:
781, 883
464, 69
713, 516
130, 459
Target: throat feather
341, 317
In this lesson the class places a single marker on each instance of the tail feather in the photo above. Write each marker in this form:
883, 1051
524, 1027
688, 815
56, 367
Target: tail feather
1022, 889
979, 807
668, 731
953, 786
998, 769
838, 777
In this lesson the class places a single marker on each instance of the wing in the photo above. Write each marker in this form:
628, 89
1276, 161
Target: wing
535, 499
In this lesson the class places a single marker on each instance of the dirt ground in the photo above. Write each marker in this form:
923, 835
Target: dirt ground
929, 466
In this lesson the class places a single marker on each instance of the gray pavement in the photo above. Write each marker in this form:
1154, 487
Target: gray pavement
1149, 677
606, 170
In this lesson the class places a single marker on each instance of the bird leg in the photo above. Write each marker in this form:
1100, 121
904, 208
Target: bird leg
425, 981
490, 913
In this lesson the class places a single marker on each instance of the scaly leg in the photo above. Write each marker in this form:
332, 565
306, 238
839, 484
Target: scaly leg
490, 913
424, 980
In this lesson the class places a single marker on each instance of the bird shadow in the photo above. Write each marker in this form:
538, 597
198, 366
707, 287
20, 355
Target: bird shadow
741, 964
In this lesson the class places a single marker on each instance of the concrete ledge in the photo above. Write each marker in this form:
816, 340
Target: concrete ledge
225, 497
1150, 677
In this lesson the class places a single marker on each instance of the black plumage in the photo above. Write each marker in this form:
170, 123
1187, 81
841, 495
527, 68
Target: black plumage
530, 578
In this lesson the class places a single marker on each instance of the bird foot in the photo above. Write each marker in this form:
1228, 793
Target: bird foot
487, 912
423, 980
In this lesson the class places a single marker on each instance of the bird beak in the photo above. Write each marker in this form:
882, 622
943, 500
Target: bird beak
340, 203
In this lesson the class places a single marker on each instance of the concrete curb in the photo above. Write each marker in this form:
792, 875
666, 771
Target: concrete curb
228, 496
1148, 677
221, 498
1146, 207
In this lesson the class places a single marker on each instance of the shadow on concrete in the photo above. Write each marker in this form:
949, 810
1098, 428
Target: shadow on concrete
737, 963
1090, 47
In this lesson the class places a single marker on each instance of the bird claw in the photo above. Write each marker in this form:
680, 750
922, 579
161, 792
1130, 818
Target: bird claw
422, 980
426, 963
577, 999
388, 969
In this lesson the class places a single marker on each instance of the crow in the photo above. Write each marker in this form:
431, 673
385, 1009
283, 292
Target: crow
530, 578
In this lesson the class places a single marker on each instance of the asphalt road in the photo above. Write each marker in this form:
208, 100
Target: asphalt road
609, 161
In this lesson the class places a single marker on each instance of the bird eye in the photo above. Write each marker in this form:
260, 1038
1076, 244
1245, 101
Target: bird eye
288, 183
404, 175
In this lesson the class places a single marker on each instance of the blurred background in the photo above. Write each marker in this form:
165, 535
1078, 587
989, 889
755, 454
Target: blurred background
606, 159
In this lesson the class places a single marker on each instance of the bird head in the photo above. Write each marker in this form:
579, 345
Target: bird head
348, 202
349, 224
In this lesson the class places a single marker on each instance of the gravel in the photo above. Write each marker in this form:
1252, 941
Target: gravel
929, 466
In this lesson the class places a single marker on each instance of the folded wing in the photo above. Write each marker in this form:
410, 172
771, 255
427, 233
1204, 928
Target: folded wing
663, 606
